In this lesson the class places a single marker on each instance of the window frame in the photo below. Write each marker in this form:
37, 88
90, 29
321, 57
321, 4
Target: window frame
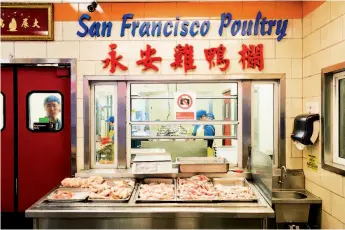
327, 118
215, 122
28, 110
336, 79
4, 111
93, 126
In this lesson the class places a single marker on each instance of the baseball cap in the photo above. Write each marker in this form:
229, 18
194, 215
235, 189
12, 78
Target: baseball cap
200, 113
110, 119
210, 115
51, 98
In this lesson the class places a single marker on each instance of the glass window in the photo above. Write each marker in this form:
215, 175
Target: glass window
105, 124
45, 111
167, 116
342, 118
263, 120
339, 124
2, 111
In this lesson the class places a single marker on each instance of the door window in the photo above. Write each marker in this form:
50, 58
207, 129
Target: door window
2, 111
44, 111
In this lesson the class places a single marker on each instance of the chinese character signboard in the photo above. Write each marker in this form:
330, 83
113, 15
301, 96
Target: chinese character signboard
185, 106
26, 22
251, 56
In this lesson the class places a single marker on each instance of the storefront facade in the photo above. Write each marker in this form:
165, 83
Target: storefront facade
178, 44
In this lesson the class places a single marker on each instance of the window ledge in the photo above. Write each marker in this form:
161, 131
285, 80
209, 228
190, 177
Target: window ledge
333, 167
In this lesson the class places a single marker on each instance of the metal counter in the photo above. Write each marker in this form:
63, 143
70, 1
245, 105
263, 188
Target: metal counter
238, 215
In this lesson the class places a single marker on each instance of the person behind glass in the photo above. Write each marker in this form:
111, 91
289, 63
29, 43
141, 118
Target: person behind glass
209, 130
111, 121
52, 106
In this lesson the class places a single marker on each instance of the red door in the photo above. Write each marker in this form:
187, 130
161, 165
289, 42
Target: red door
227, 117
7, 142
44, 158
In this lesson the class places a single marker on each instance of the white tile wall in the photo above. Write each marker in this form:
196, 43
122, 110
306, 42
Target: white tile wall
337, 9
7, 50
324, 46
329, 222
337, 52
58, 31
338, 204
289, 48
312, 43
306, 25
30, 49
332, 33
63, 49
321, 16
332, 182
296, 68
269, 46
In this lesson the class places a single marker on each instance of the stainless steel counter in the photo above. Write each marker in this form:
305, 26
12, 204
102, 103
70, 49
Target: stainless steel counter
151, 215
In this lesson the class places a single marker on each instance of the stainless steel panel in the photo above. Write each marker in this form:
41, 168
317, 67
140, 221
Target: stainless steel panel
246, 121
86, 117
121, 124
281, 122
154, 222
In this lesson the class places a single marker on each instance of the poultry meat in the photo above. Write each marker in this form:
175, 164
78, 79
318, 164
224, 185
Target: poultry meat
196, 188
155, 191
234, 192
77, 182
62, 195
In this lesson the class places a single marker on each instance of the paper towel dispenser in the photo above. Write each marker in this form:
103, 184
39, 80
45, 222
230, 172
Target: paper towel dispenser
305, 130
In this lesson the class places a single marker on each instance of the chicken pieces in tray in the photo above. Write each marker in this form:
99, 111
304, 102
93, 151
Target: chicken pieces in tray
157, 191
234, 192
102, 189
77, 182
196, 188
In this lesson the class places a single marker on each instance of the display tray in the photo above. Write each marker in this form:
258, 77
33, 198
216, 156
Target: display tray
78, 195
231, 182
202, 164
158, 181
201, 200
112, 200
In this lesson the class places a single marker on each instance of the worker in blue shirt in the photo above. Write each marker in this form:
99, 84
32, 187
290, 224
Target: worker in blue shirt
209, 130
111, 121
52, 106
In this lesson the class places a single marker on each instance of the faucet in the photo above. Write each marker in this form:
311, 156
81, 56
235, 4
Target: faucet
283, 174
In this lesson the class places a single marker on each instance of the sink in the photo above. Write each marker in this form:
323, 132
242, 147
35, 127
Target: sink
289, 195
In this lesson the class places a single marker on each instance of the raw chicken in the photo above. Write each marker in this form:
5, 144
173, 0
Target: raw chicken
155, 191
77, 182
196, 188
234, 192
62, 195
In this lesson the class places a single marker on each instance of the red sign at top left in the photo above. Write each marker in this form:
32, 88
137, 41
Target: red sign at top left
26, 22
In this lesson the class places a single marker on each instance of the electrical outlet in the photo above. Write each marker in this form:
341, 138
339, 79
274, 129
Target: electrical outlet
312, 107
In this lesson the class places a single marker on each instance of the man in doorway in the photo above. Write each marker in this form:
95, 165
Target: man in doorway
209, 130
111, 121
52, 106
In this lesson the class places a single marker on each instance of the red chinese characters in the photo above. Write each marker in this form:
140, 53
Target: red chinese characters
184, 55
253, 56
113, 60
147, 59
219, 52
